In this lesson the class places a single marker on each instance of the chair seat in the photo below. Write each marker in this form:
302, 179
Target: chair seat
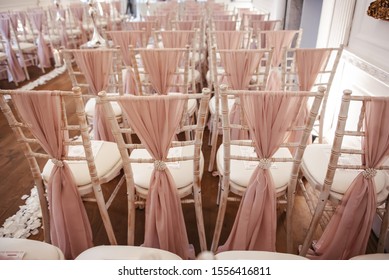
180, 171
256, 255
376, 256
91, 104
318, 156
241, 171
31, 249
25, 47
107, 159
124, 252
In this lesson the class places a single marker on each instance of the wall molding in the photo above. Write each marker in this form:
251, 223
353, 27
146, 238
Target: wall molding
367, 67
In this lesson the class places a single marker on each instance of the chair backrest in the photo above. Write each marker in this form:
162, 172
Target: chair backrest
307, 69
143, 115
147, 26
84, 76
161, 70
269, 118
47, 131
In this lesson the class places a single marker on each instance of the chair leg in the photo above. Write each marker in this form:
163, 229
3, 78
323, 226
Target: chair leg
200, 219
314, 223
214, 137
104, 214
384, 228
220, 216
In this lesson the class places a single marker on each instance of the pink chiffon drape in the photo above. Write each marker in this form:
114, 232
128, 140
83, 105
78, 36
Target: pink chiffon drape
173, 39
268, 116
240, 67
17, 73
155, 120
161, 67
96, 66
70, 229
309, 62
61, 18
125, 39
229, 40
278, 40
224, 25
78, 13
349, 229
37, 18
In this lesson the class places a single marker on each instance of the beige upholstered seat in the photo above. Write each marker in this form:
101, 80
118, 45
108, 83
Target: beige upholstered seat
256, 255
28, 249
125, 252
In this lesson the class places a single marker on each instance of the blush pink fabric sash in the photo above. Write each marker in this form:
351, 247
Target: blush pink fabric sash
69, 225
125, 39
96, 65
278, 40
229, 40
309, 62
14, 67
348, 231
240, 67
155, 120
43, 49
161, 67
269, 116
78, 13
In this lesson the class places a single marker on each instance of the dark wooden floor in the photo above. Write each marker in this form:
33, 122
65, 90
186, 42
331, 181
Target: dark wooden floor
16, 180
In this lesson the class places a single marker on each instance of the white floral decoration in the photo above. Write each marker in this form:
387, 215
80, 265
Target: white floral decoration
26, 221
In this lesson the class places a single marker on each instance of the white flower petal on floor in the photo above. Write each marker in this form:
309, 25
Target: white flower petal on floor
26, 221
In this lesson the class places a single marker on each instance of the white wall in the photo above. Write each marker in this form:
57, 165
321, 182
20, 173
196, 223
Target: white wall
276, 8
369, 38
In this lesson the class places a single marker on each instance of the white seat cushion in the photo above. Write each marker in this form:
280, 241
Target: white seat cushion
182, 172
257, 255
25, 46
376, 256
107, 159
241, 171
124, 252
315, 163
30, 249
90, 108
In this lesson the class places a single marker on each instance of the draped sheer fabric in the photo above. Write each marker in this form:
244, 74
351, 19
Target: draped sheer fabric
78, 13
125, 39
229, 40
309, 62
96, 65
268, 118
43, 49
161, 67
264, 25
70, 229
240, 67
224, 25
61, 17
17, 73
174, 39
348, 231
278, 40
155, 120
